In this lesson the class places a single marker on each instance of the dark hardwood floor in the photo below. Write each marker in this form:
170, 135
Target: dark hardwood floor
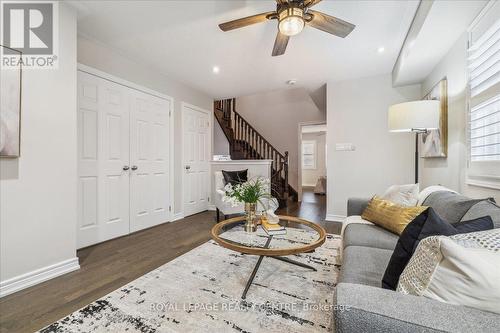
112, 264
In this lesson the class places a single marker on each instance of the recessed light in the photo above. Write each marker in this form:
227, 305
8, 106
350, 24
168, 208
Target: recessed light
291, 82
216, 69
381, 49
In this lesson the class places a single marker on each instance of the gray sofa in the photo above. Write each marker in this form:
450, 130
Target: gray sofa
363, 306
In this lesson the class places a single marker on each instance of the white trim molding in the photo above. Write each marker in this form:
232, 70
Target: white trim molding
299, 152
37, 276
335, 218
492, 182
177, 216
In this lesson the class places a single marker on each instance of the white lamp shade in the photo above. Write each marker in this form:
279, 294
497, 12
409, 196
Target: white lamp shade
414, 116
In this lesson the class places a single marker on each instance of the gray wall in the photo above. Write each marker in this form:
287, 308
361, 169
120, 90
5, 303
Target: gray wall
94, 54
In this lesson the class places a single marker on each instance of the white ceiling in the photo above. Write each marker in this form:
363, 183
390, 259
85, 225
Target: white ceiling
443, 25
182, 40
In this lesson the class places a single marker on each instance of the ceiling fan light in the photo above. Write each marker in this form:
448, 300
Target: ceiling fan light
291, 21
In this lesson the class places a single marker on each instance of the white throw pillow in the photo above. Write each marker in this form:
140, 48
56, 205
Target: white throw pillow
403, 195
462, 269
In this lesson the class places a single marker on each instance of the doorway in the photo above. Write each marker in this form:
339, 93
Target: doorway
197, 152
312, 162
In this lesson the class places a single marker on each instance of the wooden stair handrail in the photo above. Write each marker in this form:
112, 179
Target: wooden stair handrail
243, 137
253, 129
264, 139
222, 125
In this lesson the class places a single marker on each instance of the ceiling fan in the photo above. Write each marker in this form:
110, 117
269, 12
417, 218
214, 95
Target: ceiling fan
292, 16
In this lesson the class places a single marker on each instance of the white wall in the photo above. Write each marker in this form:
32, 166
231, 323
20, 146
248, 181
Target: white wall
450, 171
357, 114
38, 190
310, 176
99, 56
221, 145
276, 115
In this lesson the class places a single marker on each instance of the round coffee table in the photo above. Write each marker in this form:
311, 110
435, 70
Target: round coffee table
308, 236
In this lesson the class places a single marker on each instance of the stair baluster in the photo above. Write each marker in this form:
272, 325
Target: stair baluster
247, 143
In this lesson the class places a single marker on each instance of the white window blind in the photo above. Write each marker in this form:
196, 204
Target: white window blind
485, 131
484, 83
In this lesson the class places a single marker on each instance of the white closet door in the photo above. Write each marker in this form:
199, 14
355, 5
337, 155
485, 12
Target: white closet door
103, 154
160, 161
196, 156
149, 160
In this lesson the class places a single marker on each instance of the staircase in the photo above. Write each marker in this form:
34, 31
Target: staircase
245, 143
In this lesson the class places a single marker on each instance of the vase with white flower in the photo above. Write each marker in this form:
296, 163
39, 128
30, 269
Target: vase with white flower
250, 193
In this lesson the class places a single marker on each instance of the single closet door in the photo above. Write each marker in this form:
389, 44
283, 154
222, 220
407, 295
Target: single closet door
103, 159
196, 158
149, 161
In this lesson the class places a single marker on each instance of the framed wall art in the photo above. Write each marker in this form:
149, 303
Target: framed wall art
434, 143
10, 108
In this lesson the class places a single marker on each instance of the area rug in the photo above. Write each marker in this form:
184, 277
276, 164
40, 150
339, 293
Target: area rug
200, 291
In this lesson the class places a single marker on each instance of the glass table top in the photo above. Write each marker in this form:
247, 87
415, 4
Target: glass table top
301, 236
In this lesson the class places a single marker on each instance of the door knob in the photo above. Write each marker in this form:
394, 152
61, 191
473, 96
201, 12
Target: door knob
134, 167
188, 167
125, 167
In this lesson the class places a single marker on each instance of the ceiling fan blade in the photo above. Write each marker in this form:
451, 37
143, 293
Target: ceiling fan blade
243, 22
310, 3
280, 44
282, 2
330, 24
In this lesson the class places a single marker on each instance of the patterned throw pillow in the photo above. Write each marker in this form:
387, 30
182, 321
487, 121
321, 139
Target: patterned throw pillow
462, 269
426, 224
389, 215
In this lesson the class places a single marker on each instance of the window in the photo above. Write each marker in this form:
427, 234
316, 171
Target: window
485, 130
308, 154
484, 100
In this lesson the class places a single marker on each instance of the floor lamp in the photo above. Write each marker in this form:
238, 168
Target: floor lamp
417, 117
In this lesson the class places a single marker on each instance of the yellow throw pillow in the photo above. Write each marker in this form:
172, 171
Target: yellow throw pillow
389, 215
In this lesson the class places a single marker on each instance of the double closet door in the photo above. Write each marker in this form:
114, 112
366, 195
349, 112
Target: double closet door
123, 160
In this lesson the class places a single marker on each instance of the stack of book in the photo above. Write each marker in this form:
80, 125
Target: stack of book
272, 229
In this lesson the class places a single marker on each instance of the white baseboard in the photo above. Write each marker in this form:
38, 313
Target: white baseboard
335, 218
29, 279
211, 207
177, 216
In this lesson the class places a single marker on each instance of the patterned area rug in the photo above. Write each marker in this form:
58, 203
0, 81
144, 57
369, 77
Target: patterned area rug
200, 291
